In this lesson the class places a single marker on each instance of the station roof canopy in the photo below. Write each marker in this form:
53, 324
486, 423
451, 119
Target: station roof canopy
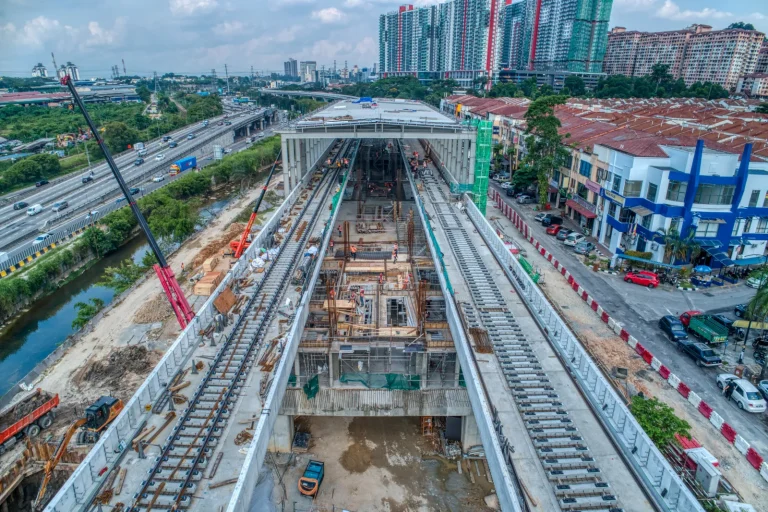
378, 118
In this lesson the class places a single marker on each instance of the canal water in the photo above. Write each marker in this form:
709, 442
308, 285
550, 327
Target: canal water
37, 332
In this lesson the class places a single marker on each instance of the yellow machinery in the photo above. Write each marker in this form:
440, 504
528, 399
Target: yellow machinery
97, 417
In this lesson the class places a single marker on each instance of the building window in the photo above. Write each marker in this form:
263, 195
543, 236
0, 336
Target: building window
567, 162
765, 200
633, 188
646, 222
735, 231
585, 168
753, 198
653, 190
582, 191
612, 210
715, 194
616, 186
676, 190
707, 229
762, 226
556, 176
627, 216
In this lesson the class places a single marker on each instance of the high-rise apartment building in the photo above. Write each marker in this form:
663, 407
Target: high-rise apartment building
307, 71
40, 71
69, 70
512, 41
762, 59
695, 54
291, 67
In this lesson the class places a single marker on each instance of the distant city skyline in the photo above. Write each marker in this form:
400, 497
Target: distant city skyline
191, 37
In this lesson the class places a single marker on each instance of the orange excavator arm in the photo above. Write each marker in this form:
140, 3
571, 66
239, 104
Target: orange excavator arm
241, 246
51, 464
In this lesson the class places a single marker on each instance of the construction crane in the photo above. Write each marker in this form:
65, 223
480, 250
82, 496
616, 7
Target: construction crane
243, 244
184, 313
98, 416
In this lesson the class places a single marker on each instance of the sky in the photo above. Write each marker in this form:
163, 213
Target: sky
195, 36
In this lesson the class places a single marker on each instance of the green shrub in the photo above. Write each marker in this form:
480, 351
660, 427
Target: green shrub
639, 254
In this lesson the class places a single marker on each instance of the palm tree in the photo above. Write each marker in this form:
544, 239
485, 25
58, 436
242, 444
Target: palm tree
671, 241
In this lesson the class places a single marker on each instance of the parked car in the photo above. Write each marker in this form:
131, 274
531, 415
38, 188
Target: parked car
41, 183
757, 281
505, 185
42, 238
138, 162
20, 205
549, 219
745, 394
725, 322
160, 156
158, 179
762, 386
86, 179
61, 205
700, 352
584, 248
510, 192
540, 216
563, 233
524, 199
643, 278
34, 209
740, 310
554, 229
573, 239
673, 328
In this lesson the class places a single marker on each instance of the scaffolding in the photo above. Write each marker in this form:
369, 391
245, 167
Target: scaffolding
482, 163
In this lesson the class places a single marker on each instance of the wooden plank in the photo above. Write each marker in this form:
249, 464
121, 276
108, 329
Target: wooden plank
222, 483
120, 481
216, 465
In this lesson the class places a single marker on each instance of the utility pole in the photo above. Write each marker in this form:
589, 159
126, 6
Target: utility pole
213, 80
226, 74
125, 73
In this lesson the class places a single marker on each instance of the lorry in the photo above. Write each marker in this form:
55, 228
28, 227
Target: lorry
183, 164
309, 483
704, 327
138, 146
27, 417
700, 352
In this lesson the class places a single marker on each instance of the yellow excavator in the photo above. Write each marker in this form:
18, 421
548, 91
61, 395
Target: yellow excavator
98, 416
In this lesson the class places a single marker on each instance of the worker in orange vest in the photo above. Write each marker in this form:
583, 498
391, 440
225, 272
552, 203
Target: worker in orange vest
353, 249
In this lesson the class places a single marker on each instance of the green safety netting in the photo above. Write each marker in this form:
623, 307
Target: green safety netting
312, 387
292, 380
482, 163
383, 380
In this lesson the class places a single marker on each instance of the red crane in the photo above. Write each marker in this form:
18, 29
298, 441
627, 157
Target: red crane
171, 287
242, 245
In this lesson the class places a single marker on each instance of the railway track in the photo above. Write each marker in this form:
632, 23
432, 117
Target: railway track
176, 473
577, 482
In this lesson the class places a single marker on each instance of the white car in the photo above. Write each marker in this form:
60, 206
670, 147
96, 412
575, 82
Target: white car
92, 213
573, 239
42, 238
505, 185
227, 151
745, 394
757, 281
160, 156
158, 179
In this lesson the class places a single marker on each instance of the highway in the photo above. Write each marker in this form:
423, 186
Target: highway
19, 228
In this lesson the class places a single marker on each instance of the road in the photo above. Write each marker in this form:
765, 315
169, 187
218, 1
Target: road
639, 309
18, 227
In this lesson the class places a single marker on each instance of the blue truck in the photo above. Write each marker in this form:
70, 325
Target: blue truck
182, 165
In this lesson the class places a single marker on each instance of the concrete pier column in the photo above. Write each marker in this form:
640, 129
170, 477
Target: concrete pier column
471, 168
456, 159
333, 368
301, 159
470, 435
247, 130
282, 435
286, 181
424, 370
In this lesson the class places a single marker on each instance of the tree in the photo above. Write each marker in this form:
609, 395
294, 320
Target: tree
503, 90
86, 311
119, 136
144, 93
658, 420
545, 145
762, 108
742, 25
575, 85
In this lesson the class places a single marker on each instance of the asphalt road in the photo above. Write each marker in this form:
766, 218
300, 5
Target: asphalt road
639, 309
18, 227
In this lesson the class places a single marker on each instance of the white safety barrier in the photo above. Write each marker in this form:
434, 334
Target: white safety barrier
662, 484
77, 492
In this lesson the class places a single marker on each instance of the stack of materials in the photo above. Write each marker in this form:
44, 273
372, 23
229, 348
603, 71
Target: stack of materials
209, 265
208, 283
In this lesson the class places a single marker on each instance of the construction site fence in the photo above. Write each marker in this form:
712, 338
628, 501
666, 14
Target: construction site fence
81, 487
661, 482
507, 489
257, 450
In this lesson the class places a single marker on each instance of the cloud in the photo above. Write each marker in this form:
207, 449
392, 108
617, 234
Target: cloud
188, 7
670, 10
635, 5
102, 37
36, 32
228, 28
329, 15
757, 16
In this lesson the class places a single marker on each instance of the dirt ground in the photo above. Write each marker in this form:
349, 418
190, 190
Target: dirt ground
610, 351
378, 464
115, 357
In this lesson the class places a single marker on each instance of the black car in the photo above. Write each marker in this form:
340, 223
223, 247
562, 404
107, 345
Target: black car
510, 192
674, 328
740, 311
41, 183
166, 138
86, 179
725, 322
173, 144
134, 191
20, 205
549, 220
138, 162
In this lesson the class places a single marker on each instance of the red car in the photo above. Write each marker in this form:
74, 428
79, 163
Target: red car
553, 229
642, 277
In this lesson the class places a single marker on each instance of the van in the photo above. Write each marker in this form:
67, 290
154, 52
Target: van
142, 152
34, 209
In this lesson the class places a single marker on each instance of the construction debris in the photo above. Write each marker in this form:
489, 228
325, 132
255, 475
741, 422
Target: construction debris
216, 246
225, 301
243, 437
111, 371
157, 309
301, 442
208, 283
222, 484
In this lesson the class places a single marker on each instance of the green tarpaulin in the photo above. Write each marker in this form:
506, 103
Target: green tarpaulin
312, 387
383, 380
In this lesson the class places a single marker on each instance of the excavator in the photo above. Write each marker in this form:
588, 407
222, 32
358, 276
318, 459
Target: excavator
98, 416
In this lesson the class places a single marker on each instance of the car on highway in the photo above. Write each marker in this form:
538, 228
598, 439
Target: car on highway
160, 156
92, 213
158, 179
86, 179
584, 248
61, 205
34, 209
228, 123
134, 190
190, 136
20, 205
554, 229
673, 328
525, 199
745, 394
643, 278
260, 135
166, 138
42, 238
220, 123
563, 233
138, 162
227, 151
119, 200
173, 144
573, 239
41, 183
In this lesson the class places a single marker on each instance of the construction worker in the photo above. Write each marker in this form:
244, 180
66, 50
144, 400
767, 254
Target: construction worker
394, 256
353, 250
362, 297
339, 230
395, 248
381, 278
330, 245
182, 267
